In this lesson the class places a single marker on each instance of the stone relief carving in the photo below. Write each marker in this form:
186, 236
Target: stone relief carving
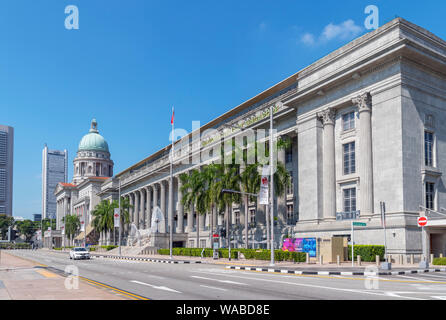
363, 101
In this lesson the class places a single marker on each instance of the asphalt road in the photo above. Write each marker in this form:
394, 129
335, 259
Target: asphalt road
214, 282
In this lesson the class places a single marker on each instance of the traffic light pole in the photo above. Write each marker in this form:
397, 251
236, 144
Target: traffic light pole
271, 165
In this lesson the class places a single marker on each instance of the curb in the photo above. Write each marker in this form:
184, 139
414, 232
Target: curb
337, 273
145, 259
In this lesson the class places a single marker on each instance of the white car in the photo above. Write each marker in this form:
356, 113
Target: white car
79, 253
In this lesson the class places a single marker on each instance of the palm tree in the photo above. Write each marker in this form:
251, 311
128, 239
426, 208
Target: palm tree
249, 183
194, 195
103, 216
72, 225
230, 180
211, 175
125, 209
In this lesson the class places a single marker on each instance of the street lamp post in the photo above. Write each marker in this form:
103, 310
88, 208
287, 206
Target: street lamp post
271, 165
120, 214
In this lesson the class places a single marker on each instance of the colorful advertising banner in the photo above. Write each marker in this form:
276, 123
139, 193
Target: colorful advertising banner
300, 245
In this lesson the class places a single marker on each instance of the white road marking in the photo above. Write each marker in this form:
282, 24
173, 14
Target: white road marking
155, 287
218, 280
394, 294
202, 285
439, 297
416, 278
316, 286
435, 276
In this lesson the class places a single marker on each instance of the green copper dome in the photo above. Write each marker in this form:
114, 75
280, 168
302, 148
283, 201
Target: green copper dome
93, 141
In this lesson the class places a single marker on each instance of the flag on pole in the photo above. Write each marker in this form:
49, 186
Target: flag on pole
173, 116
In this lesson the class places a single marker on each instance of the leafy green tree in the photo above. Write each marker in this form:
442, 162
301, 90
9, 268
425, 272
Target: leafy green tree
5, 223
72, 226
27, 228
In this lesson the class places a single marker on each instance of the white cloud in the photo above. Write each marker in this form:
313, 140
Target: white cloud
308, 39
343, 31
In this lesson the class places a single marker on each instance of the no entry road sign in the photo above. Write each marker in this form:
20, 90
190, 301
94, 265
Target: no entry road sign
422, 221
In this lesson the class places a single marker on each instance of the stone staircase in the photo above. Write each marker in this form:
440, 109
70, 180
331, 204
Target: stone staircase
134, 250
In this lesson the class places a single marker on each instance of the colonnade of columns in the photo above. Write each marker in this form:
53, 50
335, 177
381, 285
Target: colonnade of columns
327, 117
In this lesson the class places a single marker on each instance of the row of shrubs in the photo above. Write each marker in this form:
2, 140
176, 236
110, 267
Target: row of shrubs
368, 253
439, 262
109, 247
12, 245
255, 254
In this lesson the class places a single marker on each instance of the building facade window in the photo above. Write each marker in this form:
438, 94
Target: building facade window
290, 186
349, 158
291, 220
350, 200
202, 243
428, 149
430, 195
348, 121
252, 216
289, 155
237, 217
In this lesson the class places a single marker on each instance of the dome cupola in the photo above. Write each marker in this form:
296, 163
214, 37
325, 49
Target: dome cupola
93, 141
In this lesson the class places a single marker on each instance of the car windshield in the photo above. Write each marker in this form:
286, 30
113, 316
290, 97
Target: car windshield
79, 249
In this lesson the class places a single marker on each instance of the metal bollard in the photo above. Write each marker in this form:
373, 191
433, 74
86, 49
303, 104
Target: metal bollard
307, 257
377, 261
338, 260
412, 259
321, 259
358, 258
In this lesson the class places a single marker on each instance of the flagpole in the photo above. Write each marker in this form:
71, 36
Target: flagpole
171, 187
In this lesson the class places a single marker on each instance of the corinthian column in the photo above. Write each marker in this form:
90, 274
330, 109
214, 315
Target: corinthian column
364, 103
148, 208
329, 174
180, 214
163, 206
141, 210
136, 215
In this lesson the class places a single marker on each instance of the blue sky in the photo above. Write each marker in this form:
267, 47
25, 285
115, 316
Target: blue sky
130, 61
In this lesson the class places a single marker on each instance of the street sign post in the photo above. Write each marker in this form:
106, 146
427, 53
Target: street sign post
385, 265
422, 221
355, 224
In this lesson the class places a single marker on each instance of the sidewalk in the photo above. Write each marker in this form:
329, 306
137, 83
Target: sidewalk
22, 279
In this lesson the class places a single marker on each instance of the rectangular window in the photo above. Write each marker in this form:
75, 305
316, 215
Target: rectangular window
290, 186
350, 200
202, 243
349, 158
428, 149
348, 121
289, 155
252, 216
430, 195
290, 215
237, 217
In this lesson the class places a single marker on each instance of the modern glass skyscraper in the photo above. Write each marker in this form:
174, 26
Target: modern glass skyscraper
6, 168
54, 170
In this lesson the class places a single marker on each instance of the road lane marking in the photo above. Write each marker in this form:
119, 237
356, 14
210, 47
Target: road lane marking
155, 287
416, 278
128, 294
47, 273
316, 286
218, 280
202, 285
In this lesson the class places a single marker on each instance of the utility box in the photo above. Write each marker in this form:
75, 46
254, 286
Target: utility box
330, 248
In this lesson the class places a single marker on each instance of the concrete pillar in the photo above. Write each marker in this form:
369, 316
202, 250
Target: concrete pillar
163, 206
281, 201
170, 206
136, 215
180, 209
132, 208
190, 219
141, 209
328, 159
155, 195
364, 103
148, 207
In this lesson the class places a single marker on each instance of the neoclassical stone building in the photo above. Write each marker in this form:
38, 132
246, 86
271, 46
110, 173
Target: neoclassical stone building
92, 166
366, 124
